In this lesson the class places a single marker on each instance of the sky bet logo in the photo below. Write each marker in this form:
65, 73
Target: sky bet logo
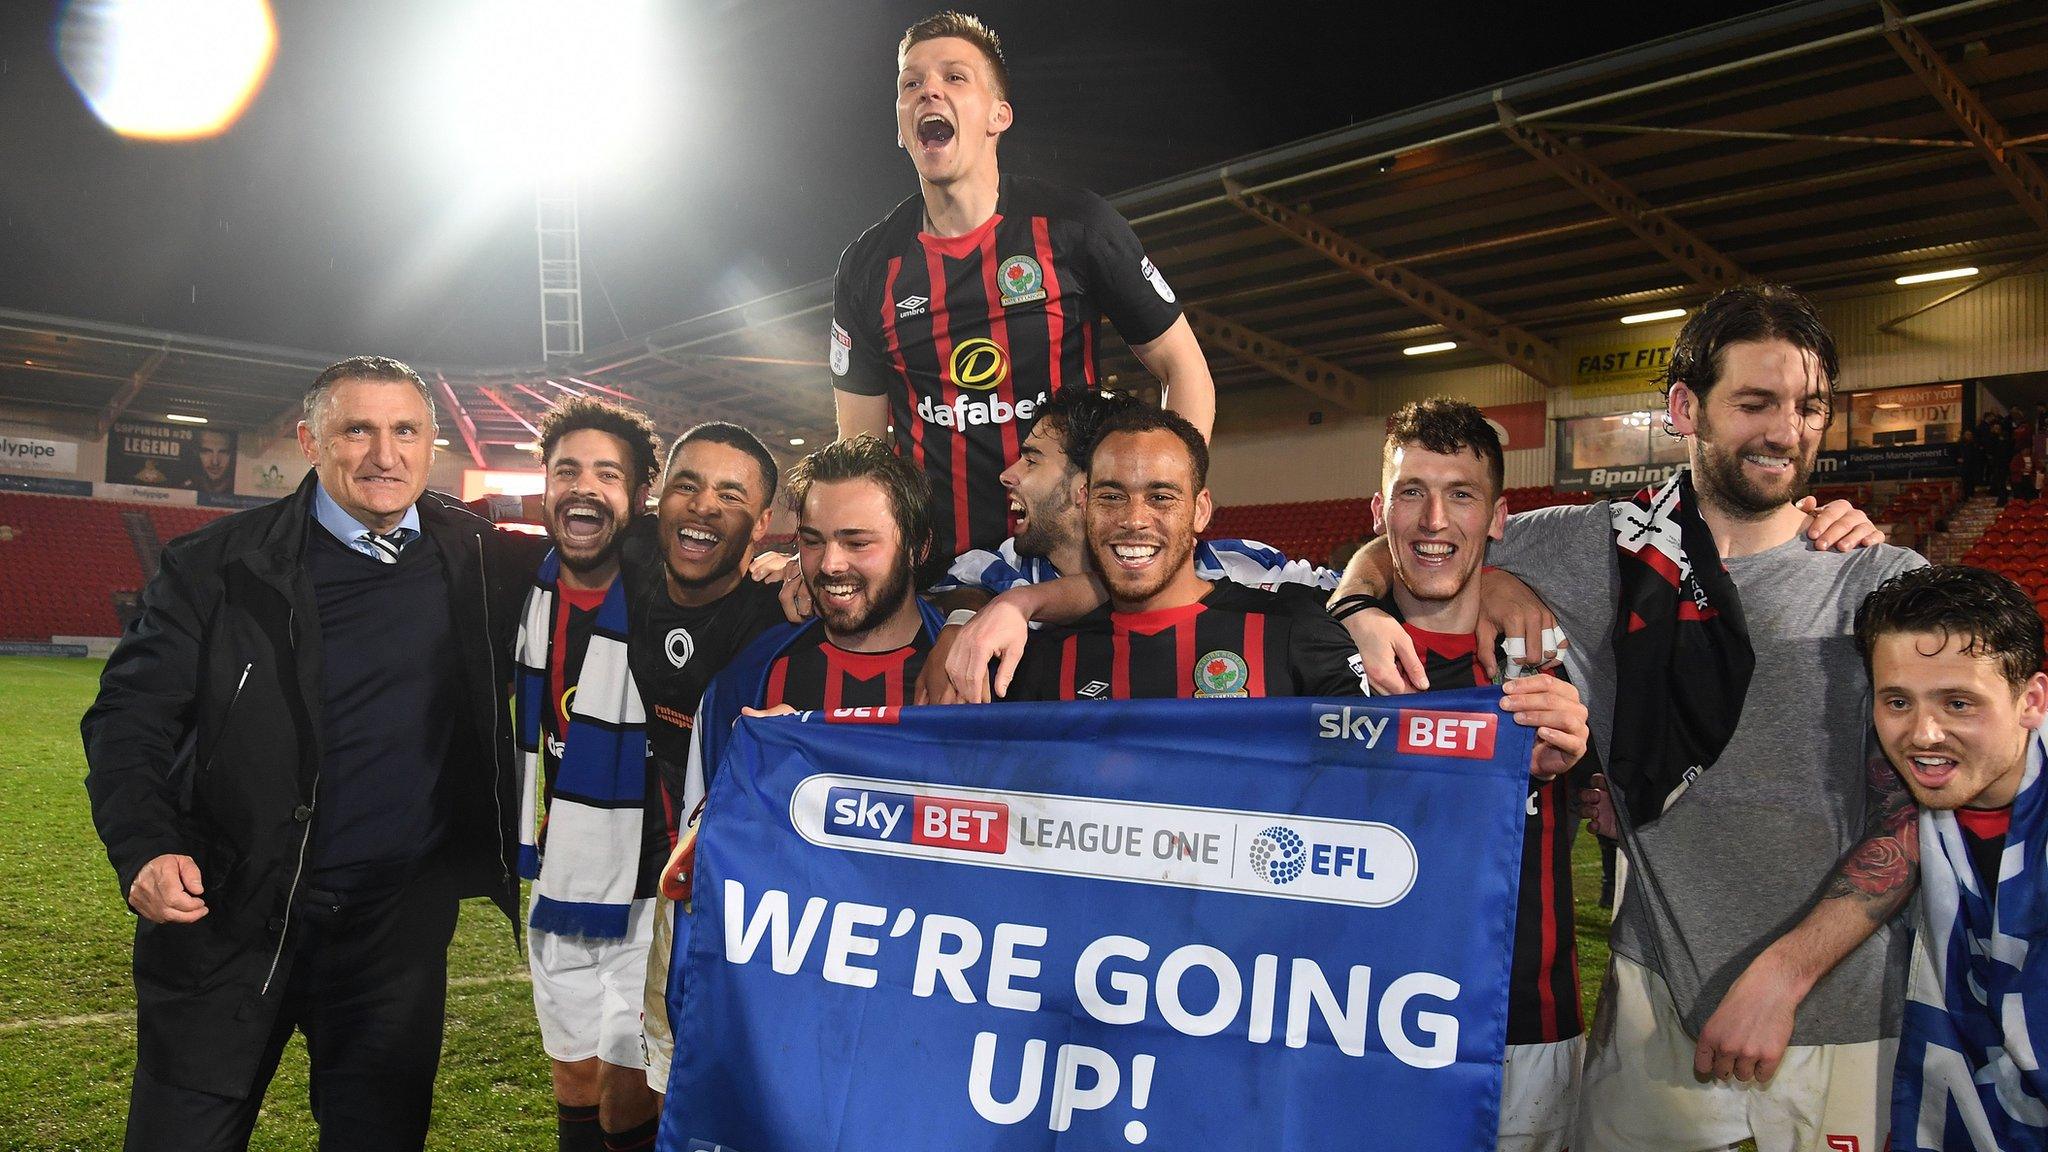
905, 818
1418, 731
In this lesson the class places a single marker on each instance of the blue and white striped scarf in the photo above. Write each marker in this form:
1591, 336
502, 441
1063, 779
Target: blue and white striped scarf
581, 845
1969, 1073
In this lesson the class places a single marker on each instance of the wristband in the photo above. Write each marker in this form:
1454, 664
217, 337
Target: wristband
959, 616
1349, 606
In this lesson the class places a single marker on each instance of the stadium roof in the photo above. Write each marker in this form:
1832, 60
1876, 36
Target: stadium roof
1831, 144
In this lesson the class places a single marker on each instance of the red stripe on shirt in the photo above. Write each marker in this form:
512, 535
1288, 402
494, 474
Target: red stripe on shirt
1069, 657
1254, 654
1546, 970
895, 345
942, 344
1184, 657
1055, 313
778, 675
999, 331
1120, 665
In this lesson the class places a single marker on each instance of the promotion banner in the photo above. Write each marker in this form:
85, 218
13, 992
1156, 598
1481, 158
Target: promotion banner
1162, 924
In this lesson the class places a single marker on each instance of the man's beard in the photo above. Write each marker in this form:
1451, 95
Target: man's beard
1040, 536
1719, 477
882, 603
724, 567
1173, 556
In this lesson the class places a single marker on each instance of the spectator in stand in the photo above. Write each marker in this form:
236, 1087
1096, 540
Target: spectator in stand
1994, 438
1970, 456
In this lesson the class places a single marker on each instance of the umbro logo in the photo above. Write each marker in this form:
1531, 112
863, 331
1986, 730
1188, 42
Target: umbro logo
1092, 690
911, 306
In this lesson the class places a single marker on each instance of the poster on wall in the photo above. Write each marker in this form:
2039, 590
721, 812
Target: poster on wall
1893, 433
200, 460
1621, 451
269, 471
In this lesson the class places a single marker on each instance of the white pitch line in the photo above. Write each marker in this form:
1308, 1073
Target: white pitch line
90, 1019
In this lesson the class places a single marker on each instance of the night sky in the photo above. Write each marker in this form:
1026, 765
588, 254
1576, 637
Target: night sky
337, 216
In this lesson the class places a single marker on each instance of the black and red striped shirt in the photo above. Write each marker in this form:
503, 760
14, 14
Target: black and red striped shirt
968, 335
1543, 984
1236, 641
814, 673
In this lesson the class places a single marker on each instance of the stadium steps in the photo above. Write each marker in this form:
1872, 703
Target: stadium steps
142, 533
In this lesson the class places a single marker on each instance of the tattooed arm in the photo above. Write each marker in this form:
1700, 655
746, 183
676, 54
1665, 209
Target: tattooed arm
1746, 1036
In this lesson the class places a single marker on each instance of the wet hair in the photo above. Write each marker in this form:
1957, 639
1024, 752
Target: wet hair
1748, 313
588, 414
314, 404
962, 26
732, 436
867, 457
1446, 426
1076, 412
1145, 418
1949, 600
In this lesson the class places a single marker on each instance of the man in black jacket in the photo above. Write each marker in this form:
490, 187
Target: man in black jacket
299, 761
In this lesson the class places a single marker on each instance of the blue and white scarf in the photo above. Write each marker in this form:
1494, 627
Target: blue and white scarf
581, 844
1969, 1071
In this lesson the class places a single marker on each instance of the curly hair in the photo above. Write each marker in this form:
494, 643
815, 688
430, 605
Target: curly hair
1447, 427
1947, 600
584, 413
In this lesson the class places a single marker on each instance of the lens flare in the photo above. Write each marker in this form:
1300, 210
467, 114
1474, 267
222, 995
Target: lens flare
167, 69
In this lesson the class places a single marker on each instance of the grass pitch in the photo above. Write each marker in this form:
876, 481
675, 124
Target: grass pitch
67, 1033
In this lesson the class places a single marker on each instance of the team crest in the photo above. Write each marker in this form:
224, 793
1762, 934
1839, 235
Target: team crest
1021, 280
1220, 673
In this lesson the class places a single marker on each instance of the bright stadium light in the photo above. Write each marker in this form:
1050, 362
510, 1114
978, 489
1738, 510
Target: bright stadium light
1646, 317
1426, 349
1930, 277
167, 69
181, 418
532, 88
440, 441
796, 441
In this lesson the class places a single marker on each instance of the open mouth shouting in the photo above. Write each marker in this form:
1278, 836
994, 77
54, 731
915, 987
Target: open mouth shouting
582, 525
693, 542
934, 131
1931, 770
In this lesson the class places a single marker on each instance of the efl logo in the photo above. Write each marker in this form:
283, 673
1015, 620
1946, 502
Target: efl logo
907, 818
1468, 735
882, 714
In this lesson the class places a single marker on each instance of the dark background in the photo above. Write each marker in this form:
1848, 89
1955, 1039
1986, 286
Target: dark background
329, 218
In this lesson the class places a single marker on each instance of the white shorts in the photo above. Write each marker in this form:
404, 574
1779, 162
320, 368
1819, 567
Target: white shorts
587, 992
1640, 1093
1539, 1091
657, 1045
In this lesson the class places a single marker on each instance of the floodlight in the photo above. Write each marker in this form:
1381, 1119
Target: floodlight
167, 69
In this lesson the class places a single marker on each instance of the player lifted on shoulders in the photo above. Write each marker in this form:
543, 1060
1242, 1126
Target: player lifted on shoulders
974, 301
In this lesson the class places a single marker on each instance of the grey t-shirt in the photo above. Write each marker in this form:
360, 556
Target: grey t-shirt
1744, 853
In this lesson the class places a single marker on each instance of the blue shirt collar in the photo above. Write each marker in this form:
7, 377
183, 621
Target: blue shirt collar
347, 528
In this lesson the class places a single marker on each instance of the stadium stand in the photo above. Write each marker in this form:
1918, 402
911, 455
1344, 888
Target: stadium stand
67, 559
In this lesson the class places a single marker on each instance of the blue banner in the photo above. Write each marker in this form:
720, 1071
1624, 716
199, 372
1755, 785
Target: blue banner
1162, 924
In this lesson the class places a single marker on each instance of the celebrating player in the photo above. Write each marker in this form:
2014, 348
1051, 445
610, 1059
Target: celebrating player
974, 301
1439, 504
1954, 656
863, 524
1765, 860
1166, 631
595, 846
694, 616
